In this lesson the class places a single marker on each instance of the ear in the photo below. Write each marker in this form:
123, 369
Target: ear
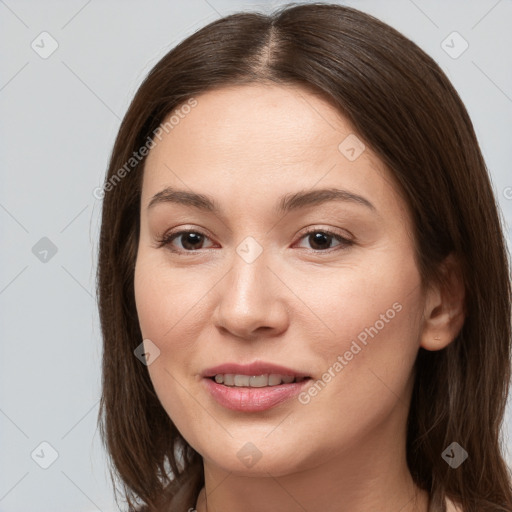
444, 312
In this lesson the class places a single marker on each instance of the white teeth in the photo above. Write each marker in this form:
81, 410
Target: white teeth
242, 380
255, 381
274, 379
258, 382
229, 380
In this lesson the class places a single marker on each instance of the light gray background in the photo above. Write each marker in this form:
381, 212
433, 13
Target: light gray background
59, 118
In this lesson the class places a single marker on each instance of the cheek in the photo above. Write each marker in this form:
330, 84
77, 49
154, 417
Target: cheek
170, 306
167, 301
163, 305
370, 304
369, 359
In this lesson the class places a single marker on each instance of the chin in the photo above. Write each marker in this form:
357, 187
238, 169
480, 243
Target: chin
260, 458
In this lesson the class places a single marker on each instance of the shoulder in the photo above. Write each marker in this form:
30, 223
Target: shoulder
452, 507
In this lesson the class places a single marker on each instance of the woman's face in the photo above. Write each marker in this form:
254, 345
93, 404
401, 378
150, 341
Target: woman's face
274, 271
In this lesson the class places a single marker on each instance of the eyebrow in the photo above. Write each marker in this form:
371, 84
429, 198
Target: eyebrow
287, 203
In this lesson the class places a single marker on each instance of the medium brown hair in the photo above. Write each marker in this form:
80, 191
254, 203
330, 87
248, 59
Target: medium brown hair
404, 108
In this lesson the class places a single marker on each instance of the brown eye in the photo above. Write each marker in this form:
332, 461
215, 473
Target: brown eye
189, 241
321, 240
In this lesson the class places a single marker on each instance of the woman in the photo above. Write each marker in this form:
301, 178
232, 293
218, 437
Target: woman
303, 284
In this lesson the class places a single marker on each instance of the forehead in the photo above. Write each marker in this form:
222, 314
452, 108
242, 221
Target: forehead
256, 138
262, 111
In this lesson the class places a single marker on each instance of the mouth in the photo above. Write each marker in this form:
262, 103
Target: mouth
256, 381
254, 387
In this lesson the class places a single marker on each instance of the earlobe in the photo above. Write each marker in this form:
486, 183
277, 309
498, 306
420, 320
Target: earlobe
444, 312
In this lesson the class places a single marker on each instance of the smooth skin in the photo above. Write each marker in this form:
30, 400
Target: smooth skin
300, 303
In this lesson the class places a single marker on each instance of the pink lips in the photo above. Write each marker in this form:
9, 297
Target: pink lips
250, 399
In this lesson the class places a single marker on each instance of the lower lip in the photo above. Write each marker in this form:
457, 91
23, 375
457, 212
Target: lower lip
253, 399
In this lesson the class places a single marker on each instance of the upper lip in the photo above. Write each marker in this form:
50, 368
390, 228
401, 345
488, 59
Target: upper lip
252, 369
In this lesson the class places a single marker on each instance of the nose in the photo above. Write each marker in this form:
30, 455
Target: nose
251, 301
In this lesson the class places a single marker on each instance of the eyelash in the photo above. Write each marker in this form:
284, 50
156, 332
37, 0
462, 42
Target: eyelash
167, 238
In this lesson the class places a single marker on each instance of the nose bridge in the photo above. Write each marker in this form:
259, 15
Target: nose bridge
246, 286
248, 300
